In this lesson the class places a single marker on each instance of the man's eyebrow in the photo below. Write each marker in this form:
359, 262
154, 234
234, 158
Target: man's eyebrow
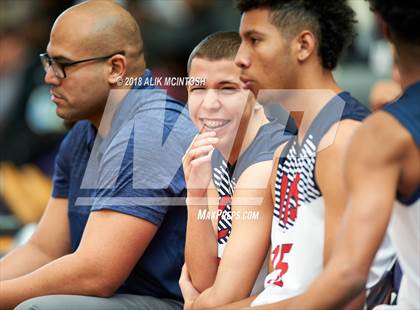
251, 32
228, 82
61, 58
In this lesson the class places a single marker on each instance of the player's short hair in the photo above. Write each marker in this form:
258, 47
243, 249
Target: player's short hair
402, 17
217, 46
331, 21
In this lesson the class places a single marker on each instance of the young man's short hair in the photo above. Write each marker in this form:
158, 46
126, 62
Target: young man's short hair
217, 46
331, 21
402, 17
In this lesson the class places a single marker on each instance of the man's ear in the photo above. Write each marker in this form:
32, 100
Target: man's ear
306, 45
117, 69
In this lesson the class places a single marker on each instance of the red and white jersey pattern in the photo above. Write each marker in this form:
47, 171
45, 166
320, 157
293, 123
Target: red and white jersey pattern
295, 183
225, 185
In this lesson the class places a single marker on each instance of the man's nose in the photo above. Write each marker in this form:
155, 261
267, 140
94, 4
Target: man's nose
50, 77
211, 100
242, 58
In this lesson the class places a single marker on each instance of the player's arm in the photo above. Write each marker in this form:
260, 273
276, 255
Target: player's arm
248, 243
110, 247
50, 241
372, 171
201, 243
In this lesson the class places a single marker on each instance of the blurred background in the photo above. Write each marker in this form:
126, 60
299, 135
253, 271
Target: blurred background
30, 132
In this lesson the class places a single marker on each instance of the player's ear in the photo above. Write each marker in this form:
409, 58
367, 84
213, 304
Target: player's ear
117, 68
305, 45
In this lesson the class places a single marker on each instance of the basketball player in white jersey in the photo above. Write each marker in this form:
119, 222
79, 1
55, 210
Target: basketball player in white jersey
293, 46
227, 167
383, 166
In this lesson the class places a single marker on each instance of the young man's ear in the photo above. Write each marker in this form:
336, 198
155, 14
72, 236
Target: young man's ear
305, 45
117, 69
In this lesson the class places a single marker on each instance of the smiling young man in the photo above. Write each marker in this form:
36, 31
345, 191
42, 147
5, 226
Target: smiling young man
226, 170
108, 238
288, 51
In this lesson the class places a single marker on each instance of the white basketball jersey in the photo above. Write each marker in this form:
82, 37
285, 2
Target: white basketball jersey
405, 234
297, 234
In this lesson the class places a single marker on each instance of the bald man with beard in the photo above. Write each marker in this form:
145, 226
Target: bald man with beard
109, 237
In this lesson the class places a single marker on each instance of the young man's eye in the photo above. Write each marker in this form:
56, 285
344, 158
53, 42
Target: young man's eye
228, 91
254, 40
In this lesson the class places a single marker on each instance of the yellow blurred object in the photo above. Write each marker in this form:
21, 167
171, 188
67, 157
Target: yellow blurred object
26, 191
6, 243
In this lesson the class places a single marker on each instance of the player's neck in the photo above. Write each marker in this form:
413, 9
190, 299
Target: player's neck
320, 90
409, 77
258, 120
409, 66
242, 141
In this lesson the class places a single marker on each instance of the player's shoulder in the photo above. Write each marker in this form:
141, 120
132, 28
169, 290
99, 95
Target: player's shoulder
337, 121
338, 137
382, 127
257, 169
381, 136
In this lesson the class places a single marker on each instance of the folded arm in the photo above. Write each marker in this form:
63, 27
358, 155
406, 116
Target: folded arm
110, 247
41, 247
